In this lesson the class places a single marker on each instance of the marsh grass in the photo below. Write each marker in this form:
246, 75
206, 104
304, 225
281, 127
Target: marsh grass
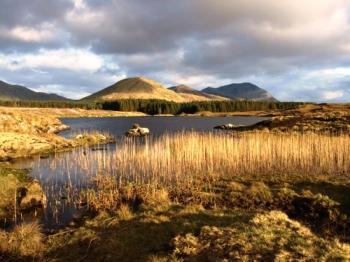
25, 240
192, 164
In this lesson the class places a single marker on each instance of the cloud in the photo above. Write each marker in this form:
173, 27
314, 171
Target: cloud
296, 49
70, 59
331, 95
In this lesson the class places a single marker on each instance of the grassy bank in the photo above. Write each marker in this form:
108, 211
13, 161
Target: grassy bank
28, 131
315, 118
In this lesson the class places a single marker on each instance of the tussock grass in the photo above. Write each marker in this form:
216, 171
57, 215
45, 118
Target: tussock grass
25, 240
267, 237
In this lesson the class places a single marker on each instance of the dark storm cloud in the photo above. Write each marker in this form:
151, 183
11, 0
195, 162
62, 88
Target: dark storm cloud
32, 12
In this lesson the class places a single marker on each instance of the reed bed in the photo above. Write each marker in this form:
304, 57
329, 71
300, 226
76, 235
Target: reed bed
192, 162
183, 156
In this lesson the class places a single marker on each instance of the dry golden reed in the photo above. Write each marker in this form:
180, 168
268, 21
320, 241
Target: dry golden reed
190, 161
185, 156
181, 156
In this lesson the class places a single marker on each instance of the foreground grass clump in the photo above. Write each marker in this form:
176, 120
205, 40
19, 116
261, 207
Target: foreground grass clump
24, 242
18, 193
267, 237
191, 233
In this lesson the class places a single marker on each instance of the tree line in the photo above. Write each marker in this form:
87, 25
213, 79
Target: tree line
154, 106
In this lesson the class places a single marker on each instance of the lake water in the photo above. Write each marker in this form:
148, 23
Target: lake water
62, 175
158, 125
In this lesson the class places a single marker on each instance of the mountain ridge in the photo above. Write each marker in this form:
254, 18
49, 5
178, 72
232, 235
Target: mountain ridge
194, 95
245, 90
17, 92
136, 88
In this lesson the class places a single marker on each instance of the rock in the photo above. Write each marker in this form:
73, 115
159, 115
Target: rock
79, 136
102, 137
227, 126
57, 129
144, 131
136, 130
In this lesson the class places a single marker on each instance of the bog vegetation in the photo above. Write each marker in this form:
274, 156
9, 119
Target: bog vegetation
191, 163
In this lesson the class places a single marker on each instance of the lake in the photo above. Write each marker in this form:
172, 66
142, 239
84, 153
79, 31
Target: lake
158, 125
63, 175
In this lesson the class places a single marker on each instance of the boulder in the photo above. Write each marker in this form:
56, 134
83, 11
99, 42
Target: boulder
80, 136
136, 130
227, 126
56, 129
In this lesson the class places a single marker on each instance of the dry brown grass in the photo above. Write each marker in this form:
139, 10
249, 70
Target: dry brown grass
25, 240
29, 131
184, 156
63, 112
193, 162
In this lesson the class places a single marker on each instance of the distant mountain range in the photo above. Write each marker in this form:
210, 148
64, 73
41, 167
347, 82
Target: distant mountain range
15, 92
246, 91
144, 88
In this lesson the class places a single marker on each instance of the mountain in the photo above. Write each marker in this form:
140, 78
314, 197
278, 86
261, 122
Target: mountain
191, 94
136, 88
16, 92
241, 91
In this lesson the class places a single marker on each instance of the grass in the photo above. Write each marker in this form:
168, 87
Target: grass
191, 233
25, 132
24, 242
193, 160
19, 193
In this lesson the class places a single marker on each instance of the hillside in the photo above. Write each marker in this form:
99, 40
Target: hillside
136, 88
16, 92
241, 91
191, 94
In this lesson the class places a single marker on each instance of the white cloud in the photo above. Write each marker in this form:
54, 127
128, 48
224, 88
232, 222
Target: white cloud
61, 90
31, 35
71, 59
330, 95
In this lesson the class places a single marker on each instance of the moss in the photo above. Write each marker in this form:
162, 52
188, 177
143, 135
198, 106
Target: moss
21, 174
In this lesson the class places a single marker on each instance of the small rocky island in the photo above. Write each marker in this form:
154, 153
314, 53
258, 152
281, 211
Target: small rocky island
136, 131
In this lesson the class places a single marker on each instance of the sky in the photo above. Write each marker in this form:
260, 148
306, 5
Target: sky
298, 50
